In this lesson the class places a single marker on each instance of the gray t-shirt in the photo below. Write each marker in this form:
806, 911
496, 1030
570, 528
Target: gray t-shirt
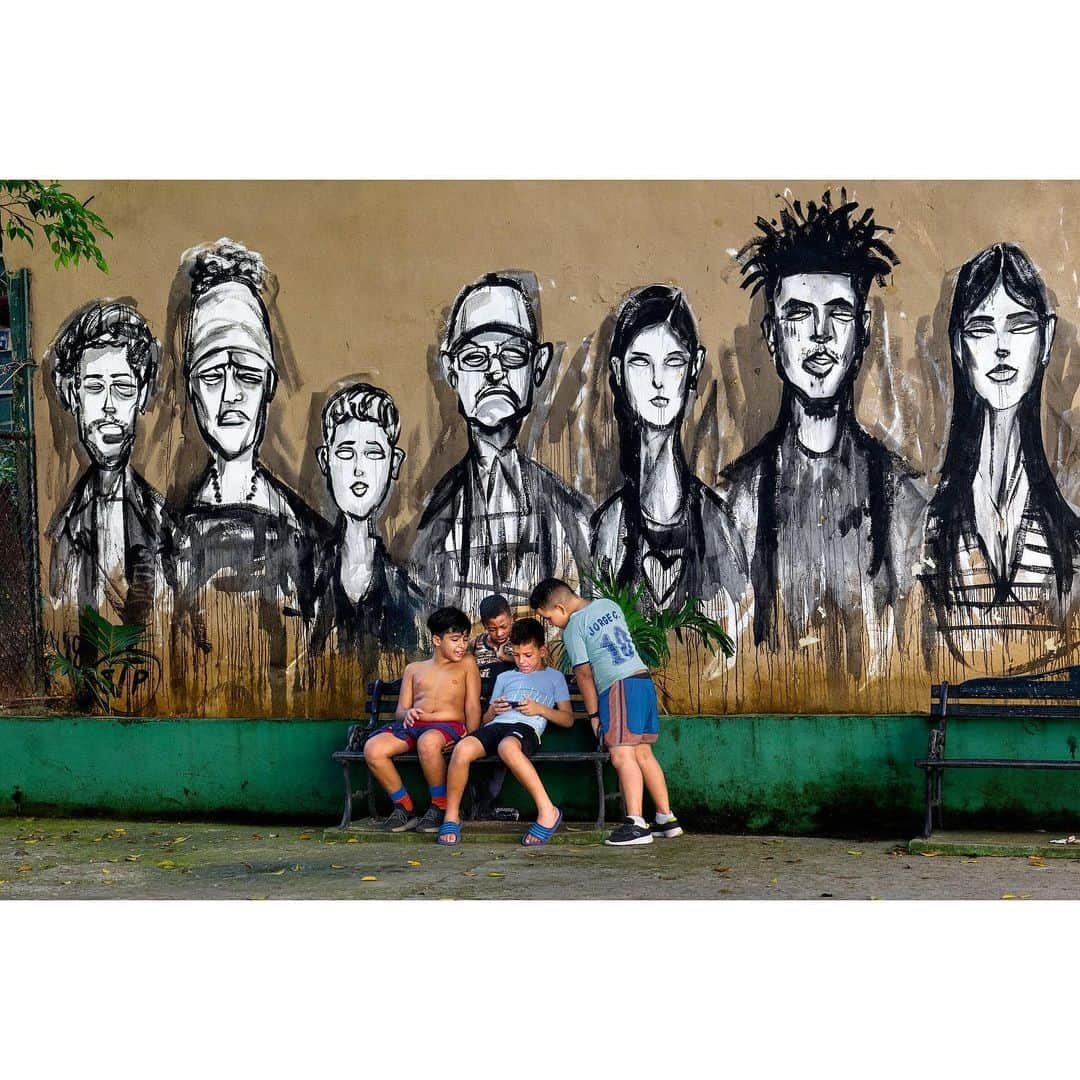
597, 635
546, 687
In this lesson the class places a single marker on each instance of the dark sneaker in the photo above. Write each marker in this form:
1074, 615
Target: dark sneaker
668, 830
399, 821
432, 819
629, 833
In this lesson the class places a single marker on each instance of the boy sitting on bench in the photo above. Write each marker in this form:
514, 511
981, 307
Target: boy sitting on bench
523, 701
438, 704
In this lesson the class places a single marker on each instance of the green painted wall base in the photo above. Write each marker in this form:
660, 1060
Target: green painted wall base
782, 774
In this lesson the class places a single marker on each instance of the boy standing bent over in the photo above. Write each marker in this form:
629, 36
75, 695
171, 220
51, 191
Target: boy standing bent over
621, 698
523, 701
438, 704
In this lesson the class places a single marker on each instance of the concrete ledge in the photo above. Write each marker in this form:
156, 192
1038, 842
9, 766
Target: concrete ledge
472, 832
995, 844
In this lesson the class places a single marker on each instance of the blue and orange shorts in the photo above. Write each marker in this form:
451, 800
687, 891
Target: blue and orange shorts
451, 731
628, 712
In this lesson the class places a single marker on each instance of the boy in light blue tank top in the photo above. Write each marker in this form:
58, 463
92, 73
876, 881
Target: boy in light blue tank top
621, 699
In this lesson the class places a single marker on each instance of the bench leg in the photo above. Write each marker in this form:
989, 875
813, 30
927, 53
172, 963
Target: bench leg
346, 817
370, 792
928, 824
601, 804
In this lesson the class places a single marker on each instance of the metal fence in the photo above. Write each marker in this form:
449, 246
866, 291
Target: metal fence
21, 645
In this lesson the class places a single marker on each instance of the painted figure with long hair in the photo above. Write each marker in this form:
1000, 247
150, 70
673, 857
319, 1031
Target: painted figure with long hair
663, 527
1002, 542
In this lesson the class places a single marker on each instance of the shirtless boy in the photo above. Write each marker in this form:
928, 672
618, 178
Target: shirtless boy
438, 704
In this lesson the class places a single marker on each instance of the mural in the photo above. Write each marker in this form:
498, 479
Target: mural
1002, 542
819, 502
664, 527
110, 537
362, 594
860, 521
498, 521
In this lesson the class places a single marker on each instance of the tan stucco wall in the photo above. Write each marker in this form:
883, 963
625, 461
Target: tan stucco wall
366, 272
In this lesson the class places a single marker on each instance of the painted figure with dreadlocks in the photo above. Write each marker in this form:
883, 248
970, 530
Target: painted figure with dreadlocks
824, 509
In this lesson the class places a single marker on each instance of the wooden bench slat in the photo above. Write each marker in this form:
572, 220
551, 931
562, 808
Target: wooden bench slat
995, 763
960, 711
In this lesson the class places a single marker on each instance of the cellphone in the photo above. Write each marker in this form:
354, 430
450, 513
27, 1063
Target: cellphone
515, 704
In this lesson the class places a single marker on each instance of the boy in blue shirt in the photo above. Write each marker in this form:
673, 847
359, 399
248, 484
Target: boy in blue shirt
621, 699
523, 701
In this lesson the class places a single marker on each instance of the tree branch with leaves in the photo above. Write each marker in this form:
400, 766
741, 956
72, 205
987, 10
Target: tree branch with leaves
70, 226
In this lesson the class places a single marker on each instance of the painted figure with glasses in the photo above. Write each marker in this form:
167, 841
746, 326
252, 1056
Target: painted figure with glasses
497, 521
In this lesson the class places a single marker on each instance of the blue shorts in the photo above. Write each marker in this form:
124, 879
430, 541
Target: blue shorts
628, 713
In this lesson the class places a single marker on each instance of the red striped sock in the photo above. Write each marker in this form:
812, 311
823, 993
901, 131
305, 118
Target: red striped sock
438, 796
401, 798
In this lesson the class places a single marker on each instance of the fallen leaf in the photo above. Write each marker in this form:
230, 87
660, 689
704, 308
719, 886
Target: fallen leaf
255, 836
24, 868
297, 867
305, 836
929, 854
106, 870
352, 840
854, 852
369, 877
721, 869
29, 842
1016, 896
132, 858
414, 862
277, 873
468, 873
775, 881
179, 840
336, 866
875, 897
167, 864
3, 881
248, 865
273, 836
256, 897
496, 873
969, 862
119, 832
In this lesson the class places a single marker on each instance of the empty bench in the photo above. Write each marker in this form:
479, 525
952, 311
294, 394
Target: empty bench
381, 708
1048, 695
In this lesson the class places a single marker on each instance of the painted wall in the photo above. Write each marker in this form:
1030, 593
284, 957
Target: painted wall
850, 576
797, 774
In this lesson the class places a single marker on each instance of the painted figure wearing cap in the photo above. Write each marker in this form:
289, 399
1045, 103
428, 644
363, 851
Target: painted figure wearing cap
243, 532
111, 536
497, 521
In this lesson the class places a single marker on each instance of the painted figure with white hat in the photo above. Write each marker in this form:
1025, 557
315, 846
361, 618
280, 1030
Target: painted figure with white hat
498, 521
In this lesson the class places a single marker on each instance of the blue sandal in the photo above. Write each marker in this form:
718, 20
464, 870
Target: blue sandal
449, 834
541, 834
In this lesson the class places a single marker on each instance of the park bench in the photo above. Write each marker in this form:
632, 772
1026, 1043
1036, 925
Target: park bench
382, 705
1049, 694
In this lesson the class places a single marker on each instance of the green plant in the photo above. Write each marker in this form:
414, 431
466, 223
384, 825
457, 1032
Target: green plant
651, 631
69, 225
100, 659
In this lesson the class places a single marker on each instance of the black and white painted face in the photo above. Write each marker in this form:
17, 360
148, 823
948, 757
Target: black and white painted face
360, 464
492, 373
229, 391
815, 333
656, 373
106, 398
1002, 349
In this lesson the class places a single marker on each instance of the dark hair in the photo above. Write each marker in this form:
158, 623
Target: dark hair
447, 620
527, 631
493, 606
651, 305
102, 324
823, 239
547, 591
952, 509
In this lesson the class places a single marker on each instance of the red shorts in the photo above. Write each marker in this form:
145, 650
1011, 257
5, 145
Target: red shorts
450, 730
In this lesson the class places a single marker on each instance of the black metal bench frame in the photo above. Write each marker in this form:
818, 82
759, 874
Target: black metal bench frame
971, 699
381, 707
